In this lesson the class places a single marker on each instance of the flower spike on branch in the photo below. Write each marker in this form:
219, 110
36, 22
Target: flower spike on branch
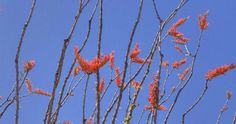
219, 71
176, 64
42, 92
29, 85
91, 66
202, 21
29, 65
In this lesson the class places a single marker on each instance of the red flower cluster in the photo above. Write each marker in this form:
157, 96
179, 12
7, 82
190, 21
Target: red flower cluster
77, 70
29, 85
29, 65
165, 64
112, 60
91, 66
176, 64
179, 37
179, 49
134, 56
219, 71
67, 122
118, 77
136, 85
42, 92
183, 75
203, 24
101, 86
154, 95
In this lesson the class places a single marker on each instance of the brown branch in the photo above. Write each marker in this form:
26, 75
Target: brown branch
98, 55
60, 65
223, 109
84, 100
126, 60
196, 102
186, 82
17, 61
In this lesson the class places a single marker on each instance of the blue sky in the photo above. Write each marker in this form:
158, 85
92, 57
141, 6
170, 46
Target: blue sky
52, 21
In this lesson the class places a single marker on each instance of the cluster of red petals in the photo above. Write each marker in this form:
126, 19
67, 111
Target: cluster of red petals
136, 85
29, 65
176, 64
134, 56
219, 71
91, 66
153, 94
178, 49
67, 122
42, 92
135, 52
101, 86
159, 107
29, 85
140, 60
179, 37
118, 77
77, 70
165, 64
1, 97
183, 75
89, 121
202, 21
112, 60
181, 41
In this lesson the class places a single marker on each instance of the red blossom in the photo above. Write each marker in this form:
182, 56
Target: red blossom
42, 92
183, 75
101, 86
202, 21
176, 64
29, 85
219, 71
136, 84
135, 52
118, 77
29, 65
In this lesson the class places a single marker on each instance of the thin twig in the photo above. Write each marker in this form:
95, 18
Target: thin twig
84, 100
126, 60
17, 60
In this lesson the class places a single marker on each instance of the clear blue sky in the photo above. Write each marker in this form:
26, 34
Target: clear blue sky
51, 23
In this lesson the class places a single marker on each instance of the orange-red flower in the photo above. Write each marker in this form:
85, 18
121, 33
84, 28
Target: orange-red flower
135, 52
180, 22
153, 94
159, 107
165, 64
29, 65
91, 66
118, 77
140, 60
67, 122
174, 33
77, 70
202, 21
29, 85
183, 75
89, 121
176, 64
136, 84
219, 71
182, 40
42, 92
179, 49
112, 60
101, 86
